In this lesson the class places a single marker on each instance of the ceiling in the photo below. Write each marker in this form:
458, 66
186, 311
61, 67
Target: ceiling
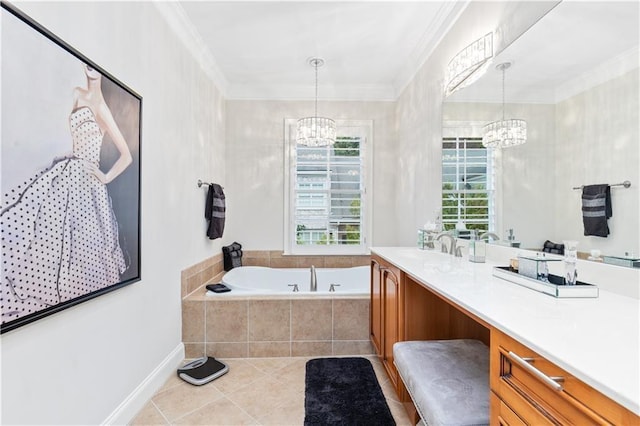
371, 49
577, 45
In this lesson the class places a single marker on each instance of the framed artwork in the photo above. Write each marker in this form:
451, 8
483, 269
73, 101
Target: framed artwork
70, 177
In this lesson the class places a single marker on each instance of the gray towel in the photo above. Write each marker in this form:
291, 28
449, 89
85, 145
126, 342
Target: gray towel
215, 211
596, 209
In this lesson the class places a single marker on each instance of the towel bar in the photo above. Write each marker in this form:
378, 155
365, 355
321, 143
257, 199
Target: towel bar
200, 183
626, 184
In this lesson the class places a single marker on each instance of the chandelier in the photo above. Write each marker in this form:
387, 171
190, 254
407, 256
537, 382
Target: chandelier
316, 131
504, 133
469, 64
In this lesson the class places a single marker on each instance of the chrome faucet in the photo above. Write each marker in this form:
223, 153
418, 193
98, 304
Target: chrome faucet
488, 235
452, 245
314, 280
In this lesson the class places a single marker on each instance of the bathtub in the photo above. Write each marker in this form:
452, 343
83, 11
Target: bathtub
257, 280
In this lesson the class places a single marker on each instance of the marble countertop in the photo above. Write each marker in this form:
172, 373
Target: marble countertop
597, 340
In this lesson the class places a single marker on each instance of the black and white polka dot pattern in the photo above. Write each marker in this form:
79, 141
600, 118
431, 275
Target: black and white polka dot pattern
59, 233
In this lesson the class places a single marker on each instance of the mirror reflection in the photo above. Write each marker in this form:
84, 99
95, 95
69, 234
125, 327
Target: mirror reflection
574, 79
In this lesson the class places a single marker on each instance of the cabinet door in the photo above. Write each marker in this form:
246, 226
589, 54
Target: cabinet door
391, 315
376, 320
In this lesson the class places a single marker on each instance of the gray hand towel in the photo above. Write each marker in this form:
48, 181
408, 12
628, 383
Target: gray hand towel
596, 209
215, 211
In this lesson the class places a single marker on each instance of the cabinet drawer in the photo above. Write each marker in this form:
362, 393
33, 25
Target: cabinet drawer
502, 415
541, 392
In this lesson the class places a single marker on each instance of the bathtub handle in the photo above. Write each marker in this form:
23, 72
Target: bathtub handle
295, 287
332, 287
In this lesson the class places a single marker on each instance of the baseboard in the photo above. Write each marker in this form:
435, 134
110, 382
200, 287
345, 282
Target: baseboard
130, 407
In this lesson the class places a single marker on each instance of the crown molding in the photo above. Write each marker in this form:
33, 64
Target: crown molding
177, 19
440, 25
284, 92
613, 68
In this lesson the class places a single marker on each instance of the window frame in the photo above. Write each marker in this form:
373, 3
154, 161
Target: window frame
361, 128
466, 130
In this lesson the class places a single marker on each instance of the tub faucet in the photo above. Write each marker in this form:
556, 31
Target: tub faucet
314, 279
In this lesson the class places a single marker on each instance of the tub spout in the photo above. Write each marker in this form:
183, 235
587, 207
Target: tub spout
314, 279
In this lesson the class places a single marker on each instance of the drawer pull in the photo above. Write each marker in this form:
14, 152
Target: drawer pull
524, 363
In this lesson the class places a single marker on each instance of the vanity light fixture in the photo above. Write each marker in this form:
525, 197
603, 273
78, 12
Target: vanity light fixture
469, 64
504, 133
316, 131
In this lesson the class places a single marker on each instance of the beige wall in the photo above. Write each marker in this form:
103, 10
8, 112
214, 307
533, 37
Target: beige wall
597, 136
89, 363
524, 173
419, 108
255, 167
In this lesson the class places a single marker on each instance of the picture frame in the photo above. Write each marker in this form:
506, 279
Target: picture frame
70, 152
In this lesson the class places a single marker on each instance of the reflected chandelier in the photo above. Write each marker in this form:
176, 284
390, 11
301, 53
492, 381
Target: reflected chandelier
316, 131
504, 133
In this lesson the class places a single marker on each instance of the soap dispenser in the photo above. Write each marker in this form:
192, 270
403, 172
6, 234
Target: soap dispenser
477, 249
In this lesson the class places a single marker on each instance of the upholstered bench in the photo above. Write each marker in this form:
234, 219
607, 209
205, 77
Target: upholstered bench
448, 380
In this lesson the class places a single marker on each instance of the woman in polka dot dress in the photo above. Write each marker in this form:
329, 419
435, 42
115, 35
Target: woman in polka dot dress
59, 232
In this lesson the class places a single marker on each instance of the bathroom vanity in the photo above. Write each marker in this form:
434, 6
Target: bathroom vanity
553, 361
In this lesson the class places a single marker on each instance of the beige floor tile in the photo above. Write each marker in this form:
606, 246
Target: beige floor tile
172, 381
241, 373
220, 412
149, 415
270, 365
389, 391
185, 398
293, 375
399, 413
260, 396
267, 391
290, 413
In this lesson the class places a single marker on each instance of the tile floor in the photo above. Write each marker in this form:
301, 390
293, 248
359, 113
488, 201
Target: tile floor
255, 391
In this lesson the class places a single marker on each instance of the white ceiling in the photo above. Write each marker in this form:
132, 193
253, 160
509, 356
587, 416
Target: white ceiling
577, 45
371, 49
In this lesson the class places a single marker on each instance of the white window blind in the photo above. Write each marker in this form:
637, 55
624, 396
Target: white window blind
327, 200
329, 193
467, 184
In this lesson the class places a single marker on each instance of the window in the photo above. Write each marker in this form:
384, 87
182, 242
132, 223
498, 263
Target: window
467, 183
326, 204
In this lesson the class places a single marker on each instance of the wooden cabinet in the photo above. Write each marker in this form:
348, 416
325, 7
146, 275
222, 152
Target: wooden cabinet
525, 389
530, 389
392, 314
386, 313
375, 325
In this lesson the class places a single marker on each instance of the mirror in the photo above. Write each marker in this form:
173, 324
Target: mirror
574, 79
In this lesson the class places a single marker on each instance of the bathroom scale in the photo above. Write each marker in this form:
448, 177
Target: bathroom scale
202, 370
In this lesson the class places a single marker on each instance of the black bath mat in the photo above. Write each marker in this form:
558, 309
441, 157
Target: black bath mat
344, 391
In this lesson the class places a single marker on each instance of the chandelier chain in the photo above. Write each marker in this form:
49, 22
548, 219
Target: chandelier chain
503, 72
316, 105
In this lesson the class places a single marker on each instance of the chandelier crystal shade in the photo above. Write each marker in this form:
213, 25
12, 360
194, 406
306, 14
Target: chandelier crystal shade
316, 131
469, 64
504, 133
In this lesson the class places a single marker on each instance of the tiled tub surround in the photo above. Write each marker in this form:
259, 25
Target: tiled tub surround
275, 327
268, 326
196, 276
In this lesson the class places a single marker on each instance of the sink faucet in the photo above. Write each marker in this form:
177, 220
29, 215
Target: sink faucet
488, 235
314, 279
452, 245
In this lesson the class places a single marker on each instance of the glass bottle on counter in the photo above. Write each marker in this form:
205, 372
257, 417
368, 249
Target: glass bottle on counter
570, 260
